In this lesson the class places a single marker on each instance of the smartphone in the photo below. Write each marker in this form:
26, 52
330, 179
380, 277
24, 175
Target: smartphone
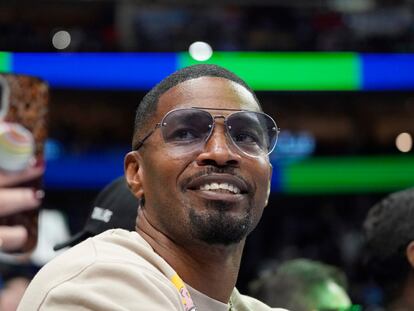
24, 103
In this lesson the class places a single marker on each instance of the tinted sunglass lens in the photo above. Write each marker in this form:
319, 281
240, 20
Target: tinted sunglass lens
186, 126
254, 133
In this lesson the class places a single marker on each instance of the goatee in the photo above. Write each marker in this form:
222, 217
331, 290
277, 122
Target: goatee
218, 225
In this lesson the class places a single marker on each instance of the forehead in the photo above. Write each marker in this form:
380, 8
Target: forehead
209, 92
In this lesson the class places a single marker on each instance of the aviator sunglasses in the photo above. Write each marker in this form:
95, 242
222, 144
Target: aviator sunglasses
188, 129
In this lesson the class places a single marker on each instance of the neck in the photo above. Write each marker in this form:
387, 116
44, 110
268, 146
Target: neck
210, 269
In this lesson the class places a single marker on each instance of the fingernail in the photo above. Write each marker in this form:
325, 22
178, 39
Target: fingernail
38, 194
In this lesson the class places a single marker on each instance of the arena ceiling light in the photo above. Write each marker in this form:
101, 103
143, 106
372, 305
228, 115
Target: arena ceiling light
404, 142
200, 51
61, 39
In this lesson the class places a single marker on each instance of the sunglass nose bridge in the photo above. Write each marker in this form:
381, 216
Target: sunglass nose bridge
219, 117
219, 141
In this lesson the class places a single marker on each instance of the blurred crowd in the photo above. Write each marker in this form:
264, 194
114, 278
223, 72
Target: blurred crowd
332, 25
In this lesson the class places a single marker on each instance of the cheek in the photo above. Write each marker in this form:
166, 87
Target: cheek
263, 177
161, 174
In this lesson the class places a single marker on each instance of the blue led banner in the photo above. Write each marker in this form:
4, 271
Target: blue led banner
282, 72
96, 70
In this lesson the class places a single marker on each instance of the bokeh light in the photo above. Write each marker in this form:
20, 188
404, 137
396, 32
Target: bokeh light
61, 39
200, 51
404, 142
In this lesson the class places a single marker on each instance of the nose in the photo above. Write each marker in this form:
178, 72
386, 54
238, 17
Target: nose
217, 150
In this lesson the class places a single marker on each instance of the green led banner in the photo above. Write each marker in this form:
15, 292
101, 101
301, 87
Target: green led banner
348, 174
5, 62
265, 71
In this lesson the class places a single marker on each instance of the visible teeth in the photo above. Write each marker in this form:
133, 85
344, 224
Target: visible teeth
214, 186
217, 186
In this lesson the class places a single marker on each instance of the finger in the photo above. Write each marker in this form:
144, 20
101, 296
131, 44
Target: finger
11, 179
12, 238
14, 200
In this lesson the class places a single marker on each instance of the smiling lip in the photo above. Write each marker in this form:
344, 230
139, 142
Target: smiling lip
219, 185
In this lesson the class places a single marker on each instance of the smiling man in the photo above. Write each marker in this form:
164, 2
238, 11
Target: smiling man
201, 169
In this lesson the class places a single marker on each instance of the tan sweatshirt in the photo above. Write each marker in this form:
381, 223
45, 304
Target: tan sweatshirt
117, 271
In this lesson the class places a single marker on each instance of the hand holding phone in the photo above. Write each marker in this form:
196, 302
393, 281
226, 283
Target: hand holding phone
23, 111
15, 200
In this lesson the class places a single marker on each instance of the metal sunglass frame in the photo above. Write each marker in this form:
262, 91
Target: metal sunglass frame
159, 124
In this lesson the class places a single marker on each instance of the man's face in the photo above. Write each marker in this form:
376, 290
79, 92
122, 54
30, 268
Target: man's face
174, 184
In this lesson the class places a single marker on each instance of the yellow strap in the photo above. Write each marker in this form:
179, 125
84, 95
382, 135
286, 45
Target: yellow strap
184, 293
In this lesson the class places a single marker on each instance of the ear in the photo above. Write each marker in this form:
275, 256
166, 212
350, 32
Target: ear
410, 253
133, 173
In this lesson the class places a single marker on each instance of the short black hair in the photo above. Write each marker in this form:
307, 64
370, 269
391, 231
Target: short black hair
388, 229
291, 284
148, 104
